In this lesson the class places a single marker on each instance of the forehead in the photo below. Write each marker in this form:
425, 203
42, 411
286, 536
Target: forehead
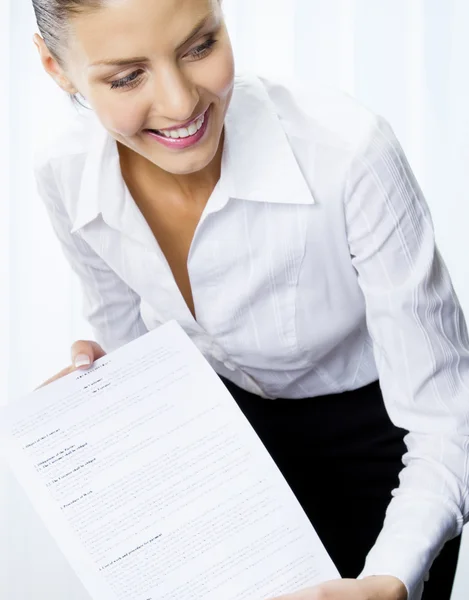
135, 27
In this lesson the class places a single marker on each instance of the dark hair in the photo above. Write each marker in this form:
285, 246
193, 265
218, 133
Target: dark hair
53, 16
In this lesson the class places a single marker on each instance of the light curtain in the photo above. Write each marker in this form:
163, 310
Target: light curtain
406, 59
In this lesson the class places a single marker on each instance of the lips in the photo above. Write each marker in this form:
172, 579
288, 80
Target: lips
184, 131
180, 138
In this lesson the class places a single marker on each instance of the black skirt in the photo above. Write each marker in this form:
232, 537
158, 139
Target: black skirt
341, 456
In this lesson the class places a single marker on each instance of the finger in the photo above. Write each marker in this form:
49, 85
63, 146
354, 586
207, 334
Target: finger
85, 352
62, 373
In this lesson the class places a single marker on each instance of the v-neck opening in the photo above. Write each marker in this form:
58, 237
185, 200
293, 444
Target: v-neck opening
154, 246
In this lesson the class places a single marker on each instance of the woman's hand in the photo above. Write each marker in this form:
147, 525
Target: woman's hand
368, 588
84, 353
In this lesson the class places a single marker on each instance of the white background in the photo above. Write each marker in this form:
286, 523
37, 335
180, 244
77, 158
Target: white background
406, 59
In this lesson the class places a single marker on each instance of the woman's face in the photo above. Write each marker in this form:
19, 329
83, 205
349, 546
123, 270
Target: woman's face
158, 74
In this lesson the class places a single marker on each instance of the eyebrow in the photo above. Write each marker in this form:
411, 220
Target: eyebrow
197, 29
122, 62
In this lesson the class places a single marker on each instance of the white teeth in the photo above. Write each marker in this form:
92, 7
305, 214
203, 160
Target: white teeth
184, 131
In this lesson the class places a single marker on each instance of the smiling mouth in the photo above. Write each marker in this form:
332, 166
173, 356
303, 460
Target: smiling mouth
182, 132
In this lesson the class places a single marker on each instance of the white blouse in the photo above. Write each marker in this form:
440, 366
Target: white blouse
313, 271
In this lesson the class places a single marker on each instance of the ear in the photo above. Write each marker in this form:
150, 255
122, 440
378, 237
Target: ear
52, 67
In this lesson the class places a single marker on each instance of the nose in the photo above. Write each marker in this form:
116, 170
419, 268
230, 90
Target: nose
175, 97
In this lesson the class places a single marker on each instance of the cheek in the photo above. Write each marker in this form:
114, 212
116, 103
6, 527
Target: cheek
220, 76
118, 119
122, 114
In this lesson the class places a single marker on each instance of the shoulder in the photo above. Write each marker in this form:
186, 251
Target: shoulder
68, 168
320, 114
63, 155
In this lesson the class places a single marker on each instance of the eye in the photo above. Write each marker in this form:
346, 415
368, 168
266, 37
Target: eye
202, 50
129, 81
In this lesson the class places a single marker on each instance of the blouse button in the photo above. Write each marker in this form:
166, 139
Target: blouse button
217, 353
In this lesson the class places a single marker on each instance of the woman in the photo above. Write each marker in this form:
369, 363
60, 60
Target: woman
286, 233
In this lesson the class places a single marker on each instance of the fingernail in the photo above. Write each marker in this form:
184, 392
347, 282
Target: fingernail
82, 360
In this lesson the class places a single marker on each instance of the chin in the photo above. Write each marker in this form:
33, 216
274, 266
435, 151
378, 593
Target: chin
184, 168
186, 164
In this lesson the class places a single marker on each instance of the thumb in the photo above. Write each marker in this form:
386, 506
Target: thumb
85, 352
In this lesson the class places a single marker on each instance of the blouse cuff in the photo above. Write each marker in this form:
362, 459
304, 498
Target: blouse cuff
412, 537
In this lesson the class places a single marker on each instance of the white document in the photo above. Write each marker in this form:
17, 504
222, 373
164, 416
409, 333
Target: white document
154, 484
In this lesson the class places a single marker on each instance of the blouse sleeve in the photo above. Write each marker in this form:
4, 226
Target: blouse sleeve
111, 307
422, 353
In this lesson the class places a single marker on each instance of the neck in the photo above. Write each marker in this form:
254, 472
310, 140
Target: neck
139, 173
